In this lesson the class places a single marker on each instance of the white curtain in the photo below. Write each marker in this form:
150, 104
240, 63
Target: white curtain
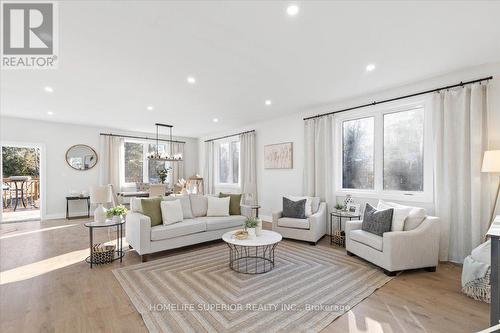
248, 168
110, 159
318, 159
209, 172
177, 167
462, 198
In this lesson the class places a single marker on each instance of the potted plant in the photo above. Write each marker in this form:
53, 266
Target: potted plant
117, 213
250, 224
163, 174
339, 206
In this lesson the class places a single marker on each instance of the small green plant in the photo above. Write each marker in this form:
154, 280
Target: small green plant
251, 222
163, 174
339, 206
117, 211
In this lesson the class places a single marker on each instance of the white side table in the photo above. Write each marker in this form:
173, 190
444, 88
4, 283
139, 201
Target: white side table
252, 255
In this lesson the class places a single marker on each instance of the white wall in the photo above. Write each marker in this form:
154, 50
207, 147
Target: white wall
55, 139
273, 184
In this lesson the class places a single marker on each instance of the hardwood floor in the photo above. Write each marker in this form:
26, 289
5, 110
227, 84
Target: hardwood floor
46, 287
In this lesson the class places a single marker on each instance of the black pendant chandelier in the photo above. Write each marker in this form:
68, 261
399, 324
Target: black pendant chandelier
167, 157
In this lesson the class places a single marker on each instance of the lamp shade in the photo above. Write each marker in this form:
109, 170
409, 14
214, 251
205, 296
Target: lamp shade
100, 194
491, 161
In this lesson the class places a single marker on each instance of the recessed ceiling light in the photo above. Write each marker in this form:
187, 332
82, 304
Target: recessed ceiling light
215, 120
48, 89
150, 108
370, 67
269, 102
50, 113
292, 10
191, 80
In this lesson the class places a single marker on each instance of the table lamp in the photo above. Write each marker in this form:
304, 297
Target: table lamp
491, 164
100, 195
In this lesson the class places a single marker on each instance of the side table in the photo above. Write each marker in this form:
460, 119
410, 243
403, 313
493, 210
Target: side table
338, 236
119, 238
71, 198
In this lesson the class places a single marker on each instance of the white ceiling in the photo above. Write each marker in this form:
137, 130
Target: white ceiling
117, 57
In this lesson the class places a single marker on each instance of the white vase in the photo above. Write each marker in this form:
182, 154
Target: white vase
251, 232
258, 229
100, 214
116, 218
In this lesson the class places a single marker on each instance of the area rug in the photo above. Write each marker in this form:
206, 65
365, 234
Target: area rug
196, 291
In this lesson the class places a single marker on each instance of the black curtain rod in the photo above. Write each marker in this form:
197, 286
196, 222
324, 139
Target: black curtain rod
140, 137
461, 84
228, 136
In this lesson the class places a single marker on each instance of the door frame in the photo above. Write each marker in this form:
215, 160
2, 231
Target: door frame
42, 175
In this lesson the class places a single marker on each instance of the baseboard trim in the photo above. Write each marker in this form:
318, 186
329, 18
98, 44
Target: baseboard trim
58, 216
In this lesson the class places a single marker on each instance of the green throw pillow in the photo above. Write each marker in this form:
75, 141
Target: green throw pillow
152, 207
234, 203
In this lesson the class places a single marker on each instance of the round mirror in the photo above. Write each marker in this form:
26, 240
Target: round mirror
81, 157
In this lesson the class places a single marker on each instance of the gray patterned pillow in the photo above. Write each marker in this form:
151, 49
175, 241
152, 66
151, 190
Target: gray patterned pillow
377, 221
294, 209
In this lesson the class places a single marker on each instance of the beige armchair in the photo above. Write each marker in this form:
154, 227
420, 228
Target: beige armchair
310, 229
396, 250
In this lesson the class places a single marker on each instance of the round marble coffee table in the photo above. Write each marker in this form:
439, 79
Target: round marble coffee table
252, 255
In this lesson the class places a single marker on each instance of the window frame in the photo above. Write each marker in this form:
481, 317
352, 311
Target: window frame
217, 163
378, 112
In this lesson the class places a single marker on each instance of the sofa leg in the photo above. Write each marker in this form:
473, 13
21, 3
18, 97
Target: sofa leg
430, 269
144, 258
389, 273
313, 243
350, 254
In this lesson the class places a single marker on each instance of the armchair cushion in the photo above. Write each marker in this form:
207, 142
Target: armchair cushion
289, 222
416, 216
399, 215
367, 238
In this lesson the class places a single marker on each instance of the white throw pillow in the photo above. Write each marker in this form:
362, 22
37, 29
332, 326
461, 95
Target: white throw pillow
218, 206
198, 204
185, 203
309, 201
171, 211
315, 204
414, 219
136, 205
398, 217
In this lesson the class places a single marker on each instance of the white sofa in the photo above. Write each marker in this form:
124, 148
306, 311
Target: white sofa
310, 229
396, 250
146, 239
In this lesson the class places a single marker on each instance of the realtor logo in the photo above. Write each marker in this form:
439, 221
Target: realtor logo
29, 34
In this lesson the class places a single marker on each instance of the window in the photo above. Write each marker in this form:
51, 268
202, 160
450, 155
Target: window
404, 151
228, 163
138, 168
381, 153
134, 162
357, 155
